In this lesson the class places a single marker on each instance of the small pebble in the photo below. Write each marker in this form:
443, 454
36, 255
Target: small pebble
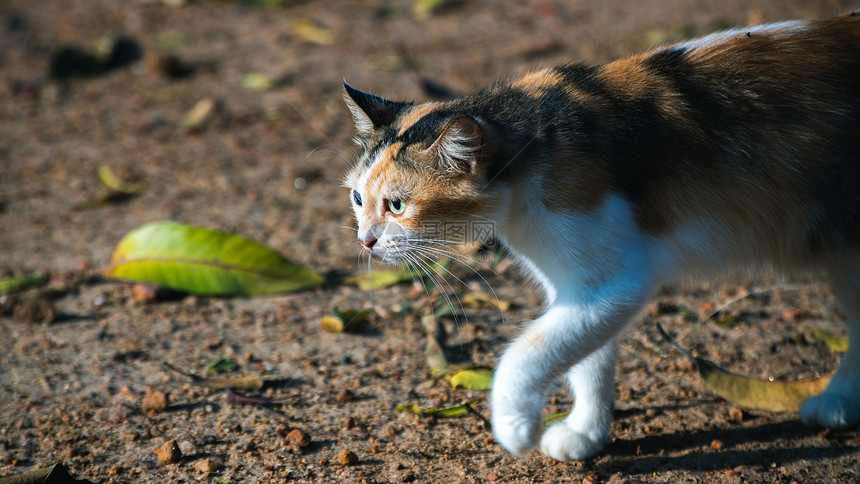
144, 293
736, 414
169, 452
299, 438
208, 465
347, 458
345, 396
155, 401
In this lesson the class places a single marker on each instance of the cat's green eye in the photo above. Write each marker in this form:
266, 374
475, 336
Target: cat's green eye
356, 197
396, 206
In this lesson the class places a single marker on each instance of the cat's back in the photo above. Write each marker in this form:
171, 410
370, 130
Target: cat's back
756, 129
745, 141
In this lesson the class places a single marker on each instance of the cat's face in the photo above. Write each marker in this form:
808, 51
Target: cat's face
417, 187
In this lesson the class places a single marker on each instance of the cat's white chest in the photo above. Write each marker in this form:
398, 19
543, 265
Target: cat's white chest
574, 254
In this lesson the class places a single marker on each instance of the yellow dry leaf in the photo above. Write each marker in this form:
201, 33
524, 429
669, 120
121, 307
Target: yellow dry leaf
312, 32
331, 323
753, 393
758, 394
110, 180
479, 299
252, 381
351, 319
197, 118
835, 342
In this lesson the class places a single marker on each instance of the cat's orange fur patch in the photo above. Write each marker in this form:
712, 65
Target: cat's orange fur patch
409, 119
630, 78
384, 170
535, 83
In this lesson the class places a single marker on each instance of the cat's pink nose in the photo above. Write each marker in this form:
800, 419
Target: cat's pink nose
368, 241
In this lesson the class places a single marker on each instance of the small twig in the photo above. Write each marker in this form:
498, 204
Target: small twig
233, 397
194, 378
468, 406
237, 398
752, 293
674, 344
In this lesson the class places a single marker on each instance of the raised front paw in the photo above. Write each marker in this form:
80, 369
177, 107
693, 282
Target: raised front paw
831, 411
517, 433
563, 443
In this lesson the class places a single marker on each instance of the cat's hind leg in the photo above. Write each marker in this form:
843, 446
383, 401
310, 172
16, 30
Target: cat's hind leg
839, 405
585, 431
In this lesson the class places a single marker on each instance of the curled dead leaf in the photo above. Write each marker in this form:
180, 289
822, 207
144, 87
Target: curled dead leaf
758, 394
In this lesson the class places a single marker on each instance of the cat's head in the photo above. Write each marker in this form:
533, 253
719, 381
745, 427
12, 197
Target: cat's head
419, 184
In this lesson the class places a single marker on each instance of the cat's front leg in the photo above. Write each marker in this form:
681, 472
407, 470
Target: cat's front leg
566, 335
585, 431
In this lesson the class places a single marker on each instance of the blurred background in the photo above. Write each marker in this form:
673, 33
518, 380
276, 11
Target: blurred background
86, 84
229, 115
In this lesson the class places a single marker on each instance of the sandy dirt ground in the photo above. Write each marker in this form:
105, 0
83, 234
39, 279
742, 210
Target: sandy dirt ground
80, 354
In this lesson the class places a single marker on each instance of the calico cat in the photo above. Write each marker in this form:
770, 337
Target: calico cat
738, 149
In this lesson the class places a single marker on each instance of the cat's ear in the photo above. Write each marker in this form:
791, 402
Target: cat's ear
458, 147
370, 112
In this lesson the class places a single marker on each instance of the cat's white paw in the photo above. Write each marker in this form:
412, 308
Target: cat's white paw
830, 411
563, 443
516, 432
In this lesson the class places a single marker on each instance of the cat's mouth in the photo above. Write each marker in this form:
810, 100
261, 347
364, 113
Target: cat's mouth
388, 255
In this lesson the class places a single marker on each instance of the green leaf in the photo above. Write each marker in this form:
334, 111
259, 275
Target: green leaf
371, 280
554, 417
203, 261
14, 284
835, 342
472, 379
225, 364
258, 81
447, 412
